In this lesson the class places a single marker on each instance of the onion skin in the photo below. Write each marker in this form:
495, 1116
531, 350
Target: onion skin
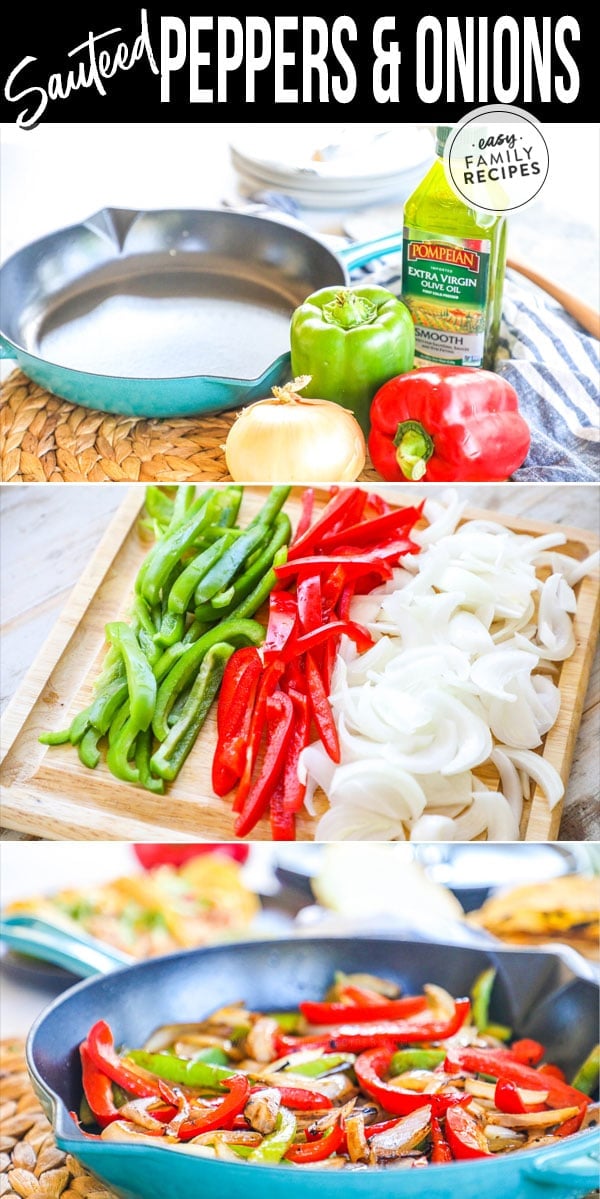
289, 439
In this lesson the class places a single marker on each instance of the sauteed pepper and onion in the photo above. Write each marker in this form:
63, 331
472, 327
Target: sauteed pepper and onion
367, 1077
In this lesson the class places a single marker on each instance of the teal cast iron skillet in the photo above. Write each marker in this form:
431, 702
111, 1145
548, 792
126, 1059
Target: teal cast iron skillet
166, 313
536, 993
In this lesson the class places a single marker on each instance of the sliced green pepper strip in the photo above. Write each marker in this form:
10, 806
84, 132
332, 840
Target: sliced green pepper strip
277, 1143
107, 703
172, 628
255, 600
245, 583
416, 1059
159, 506
288, 1021
60, 737
143, 753
231, 499
121, 751
89, 754
272, 505
322, 1065
183, 589
166, 553
185, 496
234, 632
141, 682
192, 1073
169, 758
481, 994
220, 575
119, 720
80, 725
500, 1031
586, 1078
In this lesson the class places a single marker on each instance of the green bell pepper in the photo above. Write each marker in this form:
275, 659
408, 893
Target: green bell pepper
276, 1144
351, 341
196, 1072
586, 1078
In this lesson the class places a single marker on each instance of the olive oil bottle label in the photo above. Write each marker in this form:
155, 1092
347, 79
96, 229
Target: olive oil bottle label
445, 285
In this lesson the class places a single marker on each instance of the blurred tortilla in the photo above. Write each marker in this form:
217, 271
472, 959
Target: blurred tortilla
565, 909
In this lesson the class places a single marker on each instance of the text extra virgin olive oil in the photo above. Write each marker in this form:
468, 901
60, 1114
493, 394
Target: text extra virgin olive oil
453, 264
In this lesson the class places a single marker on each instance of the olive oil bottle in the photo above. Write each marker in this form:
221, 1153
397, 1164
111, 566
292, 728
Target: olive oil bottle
453, 264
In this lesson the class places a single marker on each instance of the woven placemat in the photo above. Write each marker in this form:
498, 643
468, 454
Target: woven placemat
46, 439
31, 1164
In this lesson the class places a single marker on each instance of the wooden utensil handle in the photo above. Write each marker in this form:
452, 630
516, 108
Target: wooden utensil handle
587, 316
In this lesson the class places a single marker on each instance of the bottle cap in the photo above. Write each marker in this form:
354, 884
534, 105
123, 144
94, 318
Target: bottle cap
441, 137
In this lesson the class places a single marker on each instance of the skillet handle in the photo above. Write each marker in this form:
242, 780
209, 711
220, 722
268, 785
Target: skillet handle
7, 350
569, 1169
362, 252
82, 956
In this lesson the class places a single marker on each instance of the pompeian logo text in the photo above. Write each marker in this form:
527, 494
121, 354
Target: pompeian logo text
432, 251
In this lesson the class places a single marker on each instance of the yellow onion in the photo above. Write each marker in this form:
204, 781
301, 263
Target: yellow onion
288, 438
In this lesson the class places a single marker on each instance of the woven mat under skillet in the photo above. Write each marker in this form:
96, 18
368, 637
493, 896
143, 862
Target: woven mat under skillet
46, 439
31, 1164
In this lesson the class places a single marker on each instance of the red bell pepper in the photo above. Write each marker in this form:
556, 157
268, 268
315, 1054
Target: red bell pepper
555, 1071
283, 822
135, 1080
441, 1151
97, 1088
321, 709
372, 532
464, 1135
234, 716
447, 424
309, 603
370, 1069
283, 618
299, 1099
280, 716
353, 567
266, 687
317, 1150
293, 789
221, 1116
355, 1038
347, 503
306, 512
309, 641
385, 1009
527, 1051
150, 854
499, 1063
508, 1099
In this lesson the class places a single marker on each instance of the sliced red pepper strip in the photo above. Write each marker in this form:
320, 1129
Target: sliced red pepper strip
378, 504
283, 618
280, 719
353, 567
309, 603
309, 641
508, 1099
97, 1088
527, 1051
218, 1117
465, 1138
317, 1150
570, 1126
321, 709
341, 1013
283, 822
441, 1151
340, 505
101, 1050
293, 789
498, 1063
345, 600
299, 1099
234, 716
370, 1069
355, 1038
308, 502
555, 1071
371, 532
266, 688
244, 657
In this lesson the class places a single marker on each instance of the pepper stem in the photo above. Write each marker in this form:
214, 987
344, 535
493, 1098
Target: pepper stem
348, 309
414, 448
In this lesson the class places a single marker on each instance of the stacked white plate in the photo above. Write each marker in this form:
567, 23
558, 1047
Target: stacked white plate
333, 166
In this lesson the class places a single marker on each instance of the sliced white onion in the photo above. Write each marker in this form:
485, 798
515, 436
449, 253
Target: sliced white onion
539, 769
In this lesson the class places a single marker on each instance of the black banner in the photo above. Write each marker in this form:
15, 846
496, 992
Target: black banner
149, 64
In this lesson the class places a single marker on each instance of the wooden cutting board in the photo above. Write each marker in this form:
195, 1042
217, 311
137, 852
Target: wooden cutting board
46, 790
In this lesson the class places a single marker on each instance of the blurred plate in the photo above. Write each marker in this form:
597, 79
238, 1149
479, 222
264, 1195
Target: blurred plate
472, 875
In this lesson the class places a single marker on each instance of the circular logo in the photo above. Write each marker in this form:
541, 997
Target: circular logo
496, 158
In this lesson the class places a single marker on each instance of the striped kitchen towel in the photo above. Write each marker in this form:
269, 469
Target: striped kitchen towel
552, 363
